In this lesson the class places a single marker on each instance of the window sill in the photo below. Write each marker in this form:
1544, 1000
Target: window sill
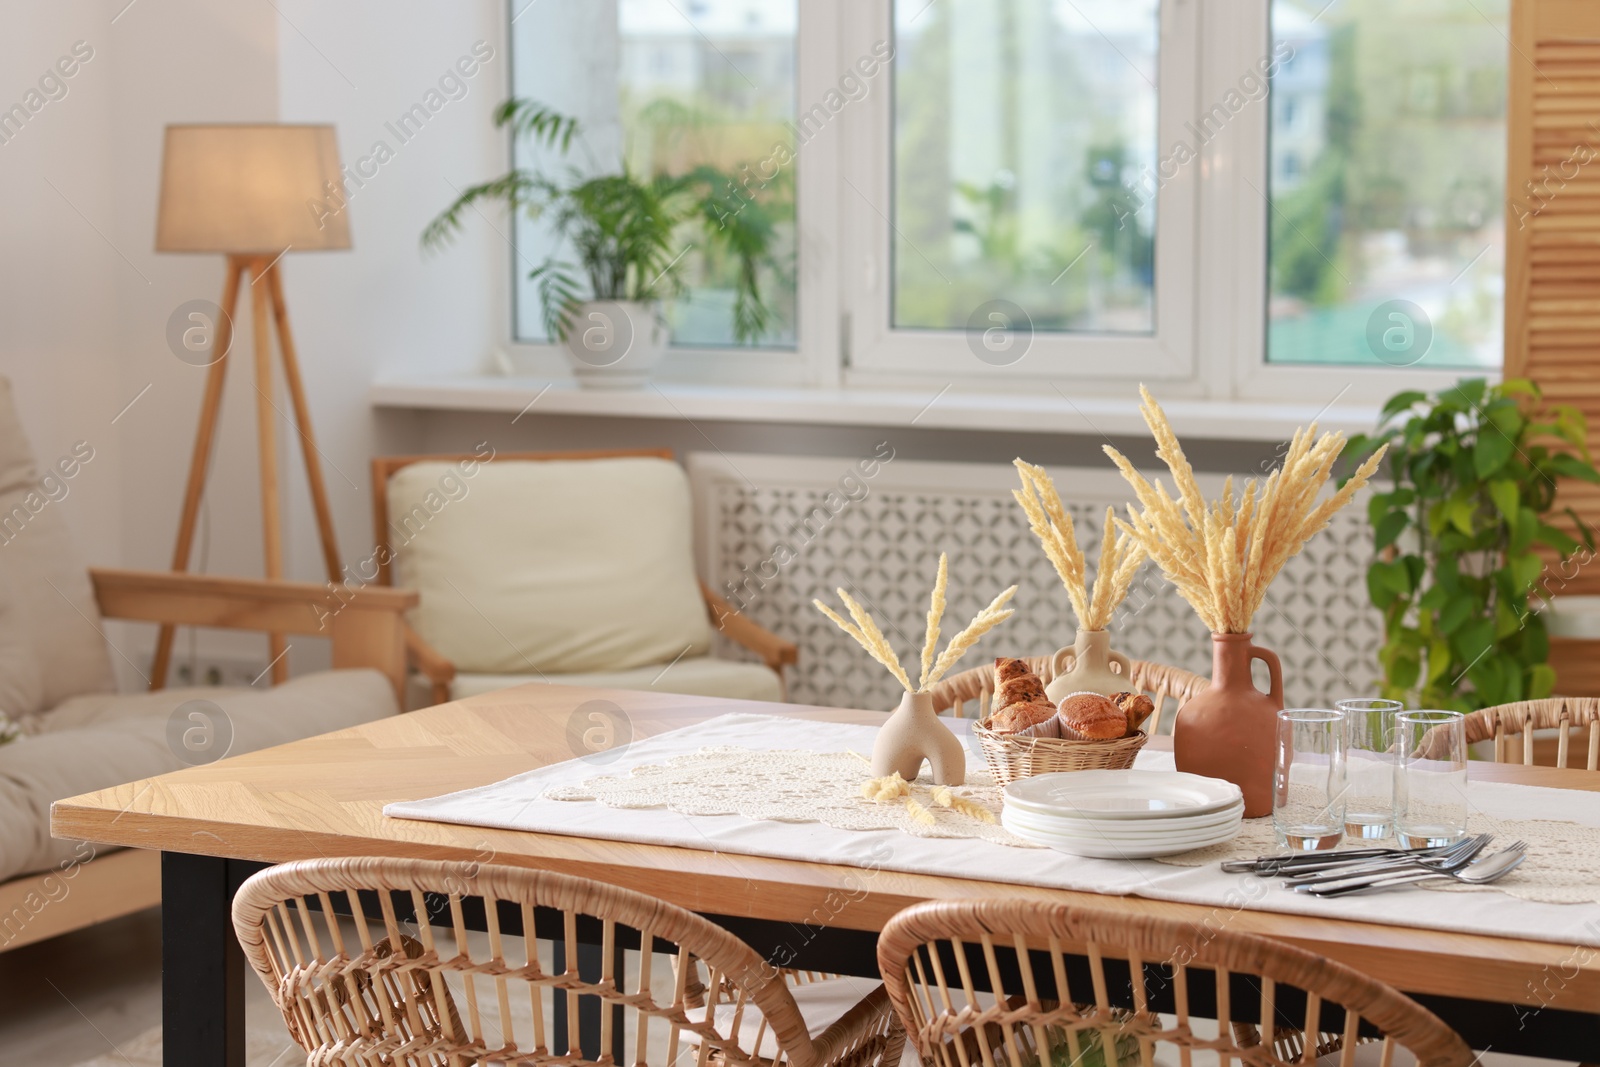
931, 408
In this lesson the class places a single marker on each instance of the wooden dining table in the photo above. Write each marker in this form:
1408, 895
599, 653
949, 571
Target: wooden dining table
216, 824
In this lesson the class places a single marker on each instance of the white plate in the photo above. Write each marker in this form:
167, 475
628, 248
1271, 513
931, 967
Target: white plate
1122, 794
1125, 850
1112, 831
1131, 828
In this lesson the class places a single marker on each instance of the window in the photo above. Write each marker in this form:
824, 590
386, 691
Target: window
1089, 192
1015, 209
669, 86
1387, 232
1022, 135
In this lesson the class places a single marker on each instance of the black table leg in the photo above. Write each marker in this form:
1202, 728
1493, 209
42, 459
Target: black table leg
202, 966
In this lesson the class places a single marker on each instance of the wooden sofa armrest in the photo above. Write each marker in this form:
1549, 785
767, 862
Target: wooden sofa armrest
431, 664
366, 626
774, 651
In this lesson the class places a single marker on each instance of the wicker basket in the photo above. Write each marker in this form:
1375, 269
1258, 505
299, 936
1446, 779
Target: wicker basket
1011, 757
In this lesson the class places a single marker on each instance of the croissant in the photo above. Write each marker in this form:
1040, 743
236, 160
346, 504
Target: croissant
1015, 683
1136, 706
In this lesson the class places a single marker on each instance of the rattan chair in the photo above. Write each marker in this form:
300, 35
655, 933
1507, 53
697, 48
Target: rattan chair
1062, 988
1511, 727
447, 996
1157, 680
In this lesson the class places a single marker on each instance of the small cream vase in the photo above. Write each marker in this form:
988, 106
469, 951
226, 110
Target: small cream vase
914, 733
1091, 668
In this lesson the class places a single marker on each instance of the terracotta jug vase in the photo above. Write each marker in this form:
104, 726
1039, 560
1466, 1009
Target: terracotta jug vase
1091, 668
1230, 729
914, 733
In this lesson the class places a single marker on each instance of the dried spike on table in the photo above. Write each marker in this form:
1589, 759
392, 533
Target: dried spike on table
889, 787
943, 797
919, 813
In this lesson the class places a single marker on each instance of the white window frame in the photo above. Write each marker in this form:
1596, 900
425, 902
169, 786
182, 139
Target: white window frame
1211, 272
1233, 268
878, 350
814, 359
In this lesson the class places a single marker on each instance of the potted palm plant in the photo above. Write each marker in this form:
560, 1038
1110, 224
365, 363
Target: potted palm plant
623, 238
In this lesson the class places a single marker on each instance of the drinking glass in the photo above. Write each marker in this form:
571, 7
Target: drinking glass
1430, 789
1309, 780
1369, 763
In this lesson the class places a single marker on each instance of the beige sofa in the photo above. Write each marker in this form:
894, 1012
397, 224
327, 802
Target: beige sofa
79, 735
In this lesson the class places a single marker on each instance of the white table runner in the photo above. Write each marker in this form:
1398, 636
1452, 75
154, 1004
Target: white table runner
519, 803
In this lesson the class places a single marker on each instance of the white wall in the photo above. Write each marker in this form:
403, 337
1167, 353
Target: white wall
85, 301
385, 304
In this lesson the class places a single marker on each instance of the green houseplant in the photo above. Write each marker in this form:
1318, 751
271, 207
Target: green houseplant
623, 237
1475, 471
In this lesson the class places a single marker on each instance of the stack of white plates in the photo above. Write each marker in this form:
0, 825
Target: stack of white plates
1123, 814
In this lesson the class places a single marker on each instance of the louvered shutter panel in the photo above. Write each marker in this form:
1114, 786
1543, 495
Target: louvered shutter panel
1553, 222
1553, 256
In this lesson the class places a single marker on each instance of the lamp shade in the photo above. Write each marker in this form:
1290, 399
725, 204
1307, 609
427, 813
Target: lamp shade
251, 188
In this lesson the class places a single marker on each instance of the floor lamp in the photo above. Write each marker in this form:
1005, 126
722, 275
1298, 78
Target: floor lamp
253, 193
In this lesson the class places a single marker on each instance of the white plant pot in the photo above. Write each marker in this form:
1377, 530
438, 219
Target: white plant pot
616, 344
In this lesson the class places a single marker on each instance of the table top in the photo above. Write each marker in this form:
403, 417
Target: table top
324, 796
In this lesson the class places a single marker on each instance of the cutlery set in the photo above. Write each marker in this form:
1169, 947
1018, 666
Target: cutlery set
1337, 874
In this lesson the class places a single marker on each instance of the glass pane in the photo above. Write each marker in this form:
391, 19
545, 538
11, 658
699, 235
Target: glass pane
1025, 162
1387, 182
670, 87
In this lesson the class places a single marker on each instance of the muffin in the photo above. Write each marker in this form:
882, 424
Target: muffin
1016, 717
1092, 717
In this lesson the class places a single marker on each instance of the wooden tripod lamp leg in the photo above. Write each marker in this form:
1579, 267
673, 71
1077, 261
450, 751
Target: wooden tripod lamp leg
199, 462
302, 418
267, 442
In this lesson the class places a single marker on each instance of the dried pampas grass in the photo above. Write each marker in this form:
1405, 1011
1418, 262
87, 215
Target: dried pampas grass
1222, 556
869, 637
1120, 555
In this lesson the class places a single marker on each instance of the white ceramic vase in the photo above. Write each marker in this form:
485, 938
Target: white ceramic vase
913, 733
616, 344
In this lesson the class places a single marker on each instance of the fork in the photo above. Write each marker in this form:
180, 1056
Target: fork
1480, 872
1457, 855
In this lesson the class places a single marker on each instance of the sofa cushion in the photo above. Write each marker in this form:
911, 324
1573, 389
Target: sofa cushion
553, 565
41, 574
21, 680
703, 676
98, 741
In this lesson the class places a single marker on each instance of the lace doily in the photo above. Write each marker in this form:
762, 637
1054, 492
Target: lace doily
789, 785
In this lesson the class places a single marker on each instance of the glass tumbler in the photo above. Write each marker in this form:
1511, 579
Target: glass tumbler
1308, 797
1369, 764
1430, 788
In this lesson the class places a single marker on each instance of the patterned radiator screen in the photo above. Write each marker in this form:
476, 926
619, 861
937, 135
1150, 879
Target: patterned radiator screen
776, 532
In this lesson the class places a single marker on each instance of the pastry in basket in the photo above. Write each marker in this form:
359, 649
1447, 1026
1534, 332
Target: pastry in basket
1015, 718
1019, 702
1092, 717
1016, 683
1136, 706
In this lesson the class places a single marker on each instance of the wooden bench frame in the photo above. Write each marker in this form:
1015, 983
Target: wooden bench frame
366, 628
